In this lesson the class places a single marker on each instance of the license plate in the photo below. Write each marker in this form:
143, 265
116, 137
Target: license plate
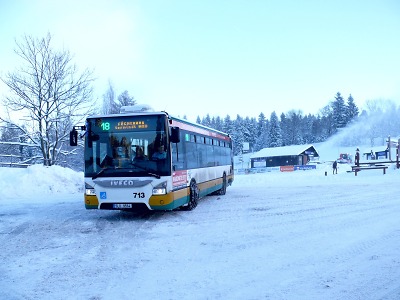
122, 205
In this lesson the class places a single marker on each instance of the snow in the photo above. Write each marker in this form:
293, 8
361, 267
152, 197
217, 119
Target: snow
275, 235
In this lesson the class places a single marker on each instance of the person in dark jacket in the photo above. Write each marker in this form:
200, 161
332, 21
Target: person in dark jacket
357, 160
334, 166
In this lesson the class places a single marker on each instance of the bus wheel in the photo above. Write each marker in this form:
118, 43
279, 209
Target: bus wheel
194, 196
222, 191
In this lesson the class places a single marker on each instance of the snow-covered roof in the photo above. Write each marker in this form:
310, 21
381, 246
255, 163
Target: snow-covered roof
284, 151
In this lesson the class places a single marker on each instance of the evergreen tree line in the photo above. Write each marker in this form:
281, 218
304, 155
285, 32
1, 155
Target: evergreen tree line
292, 128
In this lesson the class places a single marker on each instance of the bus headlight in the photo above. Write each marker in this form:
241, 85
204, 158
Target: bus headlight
89, 190
160, 189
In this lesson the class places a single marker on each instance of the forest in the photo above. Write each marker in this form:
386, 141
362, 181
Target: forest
54, 96
291, 128
342, 118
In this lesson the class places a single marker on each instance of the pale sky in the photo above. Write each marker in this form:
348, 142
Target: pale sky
193, 57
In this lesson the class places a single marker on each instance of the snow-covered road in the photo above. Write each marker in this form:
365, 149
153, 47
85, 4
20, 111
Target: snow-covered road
299, 235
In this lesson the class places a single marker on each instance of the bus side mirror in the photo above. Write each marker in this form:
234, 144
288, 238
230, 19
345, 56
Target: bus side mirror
175, 135
73, 138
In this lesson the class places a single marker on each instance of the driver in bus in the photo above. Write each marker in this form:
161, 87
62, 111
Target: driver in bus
139, 153
160, 154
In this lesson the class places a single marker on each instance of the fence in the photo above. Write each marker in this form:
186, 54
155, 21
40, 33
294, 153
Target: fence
18, 161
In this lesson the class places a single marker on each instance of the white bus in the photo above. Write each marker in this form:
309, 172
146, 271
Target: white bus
152, 160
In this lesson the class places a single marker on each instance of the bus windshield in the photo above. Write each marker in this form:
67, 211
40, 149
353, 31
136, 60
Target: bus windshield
127, 145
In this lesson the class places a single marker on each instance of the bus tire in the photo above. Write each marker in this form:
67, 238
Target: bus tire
222, 191
194, 196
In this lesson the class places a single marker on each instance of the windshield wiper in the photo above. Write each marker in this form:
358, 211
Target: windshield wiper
129, 170
98, 174
144, 169
101, 172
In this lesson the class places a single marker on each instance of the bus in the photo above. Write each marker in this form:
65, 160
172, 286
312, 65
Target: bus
152, 160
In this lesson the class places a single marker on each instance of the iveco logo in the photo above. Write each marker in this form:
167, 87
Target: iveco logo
122, 183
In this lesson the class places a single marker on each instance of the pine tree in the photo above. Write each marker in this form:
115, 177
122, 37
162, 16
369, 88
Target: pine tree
125, 99
317, 130
228, 125
251, 131
245, 127
274, 132
351, 110
293, 128
111, 105
339, 111
327, 122
206, 121
212, 123
218, 123
261, 141
238, 135
307, 124
285, 132
261, 124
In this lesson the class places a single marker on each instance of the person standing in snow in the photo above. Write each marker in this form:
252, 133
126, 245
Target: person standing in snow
334, 166
357, 158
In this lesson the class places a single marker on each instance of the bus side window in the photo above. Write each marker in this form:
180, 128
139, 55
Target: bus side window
178, 158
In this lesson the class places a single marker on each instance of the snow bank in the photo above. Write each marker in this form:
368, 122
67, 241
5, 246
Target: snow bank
39, 180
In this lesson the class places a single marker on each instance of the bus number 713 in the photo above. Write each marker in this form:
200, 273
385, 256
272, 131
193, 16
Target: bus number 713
138, 195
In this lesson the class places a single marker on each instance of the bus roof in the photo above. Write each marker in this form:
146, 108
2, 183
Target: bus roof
174, 121
127, 114
198, 128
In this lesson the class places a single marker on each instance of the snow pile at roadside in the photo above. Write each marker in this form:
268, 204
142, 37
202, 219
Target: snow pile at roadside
37, 180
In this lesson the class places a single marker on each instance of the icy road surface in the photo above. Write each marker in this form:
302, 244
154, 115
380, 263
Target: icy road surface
298, 235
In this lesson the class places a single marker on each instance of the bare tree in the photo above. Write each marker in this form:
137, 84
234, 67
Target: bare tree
50, 94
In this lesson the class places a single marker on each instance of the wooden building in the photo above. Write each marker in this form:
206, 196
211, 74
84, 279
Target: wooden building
295, 155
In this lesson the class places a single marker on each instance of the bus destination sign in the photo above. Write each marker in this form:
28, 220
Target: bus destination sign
131, 125
125, 124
